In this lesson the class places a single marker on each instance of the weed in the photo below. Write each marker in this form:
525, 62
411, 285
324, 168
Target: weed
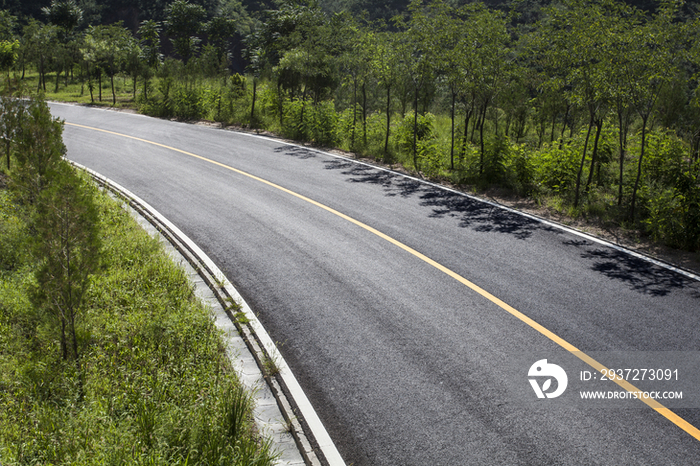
270, 366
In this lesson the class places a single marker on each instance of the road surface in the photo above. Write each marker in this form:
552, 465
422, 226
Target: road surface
408, 312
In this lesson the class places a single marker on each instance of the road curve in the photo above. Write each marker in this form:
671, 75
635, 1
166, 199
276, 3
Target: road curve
349, 269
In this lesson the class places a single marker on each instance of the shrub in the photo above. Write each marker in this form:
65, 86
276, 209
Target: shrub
555, 168
674, 213
426, 139
307, 121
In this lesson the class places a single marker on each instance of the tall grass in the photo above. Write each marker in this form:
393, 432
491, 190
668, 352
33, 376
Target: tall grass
153, 384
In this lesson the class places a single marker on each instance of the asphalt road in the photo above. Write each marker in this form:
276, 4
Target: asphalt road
405, 364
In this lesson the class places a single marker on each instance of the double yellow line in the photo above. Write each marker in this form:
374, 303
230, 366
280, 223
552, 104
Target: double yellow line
655, 405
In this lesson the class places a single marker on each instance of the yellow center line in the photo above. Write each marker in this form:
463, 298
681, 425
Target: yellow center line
655, 405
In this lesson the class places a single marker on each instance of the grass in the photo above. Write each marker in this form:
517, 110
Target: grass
79, 93
153, 385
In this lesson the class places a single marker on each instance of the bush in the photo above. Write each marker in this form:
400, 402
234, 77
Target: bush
556, 169
427, 152
674, 213
153, 385
307, 121
520, 170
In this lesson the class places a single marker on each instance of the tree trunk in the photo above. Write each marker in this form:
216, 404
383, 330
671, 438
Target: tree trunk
364, 115
554, 120
623, 128
252, 106
354, 114
594, 156
114, 95
645, 118
563, 128
388, 120
452, 132
467, 117
481, 137
415, 130
583, 162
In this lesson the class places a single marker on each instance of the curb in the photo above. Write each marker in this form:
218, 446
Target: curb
300, 419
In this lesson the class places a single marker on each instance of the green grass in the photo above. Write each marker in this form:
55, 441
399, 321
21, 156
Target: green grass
79, 92
153, 384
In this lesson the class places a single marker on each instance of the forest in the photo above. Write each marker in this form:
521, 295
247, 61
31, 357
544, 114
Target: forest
588, 107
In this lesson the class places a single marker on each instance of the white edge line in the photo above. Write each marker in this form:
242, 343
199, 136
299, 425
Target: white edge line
307, 410
543, 221
549, 223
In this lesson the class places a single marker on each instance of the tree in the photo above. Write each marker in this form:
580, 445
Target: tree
106, 48
40, 42
66, 15
649, 67
577, 36
620, 47
356, 61
385, 67
255, 54
8, 55
11, 113
67, 244
483, 57
419, 50
39, 150
302, 39
8, 24
183, 23
149, 32
219, 31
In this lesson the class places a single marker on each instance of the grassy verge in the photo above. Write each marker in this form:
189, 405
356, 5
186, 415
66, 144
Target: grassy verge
152, 385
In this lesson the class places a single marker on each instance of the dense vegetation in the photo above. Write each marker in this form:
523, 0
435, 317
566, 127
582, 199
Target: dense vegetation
106, 356
587, 106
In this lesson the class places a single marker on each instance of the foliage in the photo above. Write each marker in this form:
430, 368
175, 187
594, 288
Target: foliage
674, 213
577, 100
107, 356
183, 24
155, 383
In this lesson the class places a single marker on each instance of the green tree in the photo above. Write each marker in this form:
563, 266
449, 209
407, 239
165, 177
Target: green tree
385, 67
67, 246
419, 50
356, 64
487, 65
220, 31
574, 39
106, 48
66, 15
8, 55
8, 24
649, 67
256, 54
40, 41
307, 66
11, 113
149, 34
184, 22
39, 150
